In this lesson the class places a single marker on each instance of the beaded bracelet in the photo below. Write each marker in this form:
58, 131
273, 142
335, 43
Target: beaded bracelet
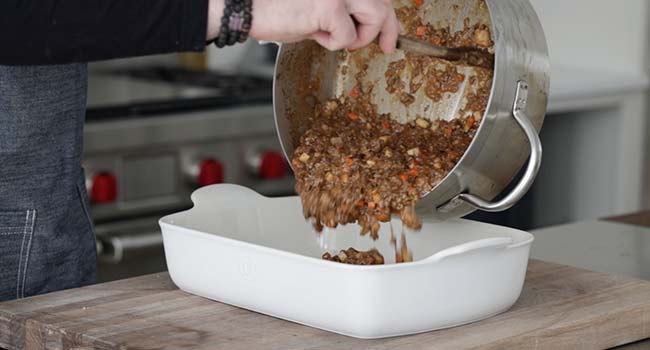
235, 23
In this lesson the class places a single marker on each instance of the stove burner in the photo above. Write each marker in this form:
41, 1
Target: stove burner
226, 84
228, 91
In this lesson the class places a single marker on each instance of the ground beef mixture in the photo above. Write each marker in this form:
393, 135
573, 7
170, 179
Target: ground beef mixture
476, 101
402, 254
373, 256
355, 257
393, 76
353, 164
477, 36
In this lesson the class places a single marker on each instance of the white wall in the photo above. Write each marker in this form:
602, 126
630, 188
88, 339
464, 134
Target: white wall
594, 156
574, 164
597, 33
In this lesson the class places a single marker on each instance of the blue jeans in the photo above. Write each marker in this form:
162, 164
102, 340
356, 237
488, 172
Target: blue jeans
46, 234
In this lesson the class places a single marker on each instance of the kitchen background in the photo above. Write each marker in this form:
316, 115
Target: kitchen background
158, 127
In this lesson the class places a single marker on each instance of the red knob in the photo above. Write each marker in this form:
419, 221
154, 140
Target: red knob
210, 172
104, 188
272, 165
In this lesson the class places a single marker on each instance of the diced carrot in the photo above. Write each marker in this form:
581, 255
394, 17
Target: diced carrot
353, 116
447, 131
437, 40
404, 177
386, 125
355, 92
371, 205
349, 161
418, 3
383, 216
413, 172
360, 203
460, 78
421, 30
469, 123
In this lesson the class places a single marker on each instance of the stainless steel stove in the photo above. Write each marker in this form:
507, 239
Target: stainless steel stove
153, 135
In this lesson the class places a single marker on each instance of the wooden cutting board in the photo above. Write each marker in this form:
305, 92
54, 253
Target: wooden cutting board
560, 308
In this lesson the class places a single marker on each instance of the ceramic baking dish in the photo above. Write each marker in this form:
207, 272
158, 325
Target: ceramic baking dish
258, 253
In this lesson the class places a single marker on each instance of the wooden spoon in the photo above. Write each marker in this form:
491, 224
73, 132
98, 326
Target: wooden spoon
469, 55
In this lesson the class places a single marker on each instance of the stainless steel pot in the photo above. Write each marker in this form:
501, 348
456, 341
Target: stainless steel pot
508, 133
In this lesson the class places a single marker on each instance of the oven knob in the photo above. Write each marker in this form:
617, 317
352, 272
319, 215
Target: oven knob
268, 165
210, 172
272, 165
103, 188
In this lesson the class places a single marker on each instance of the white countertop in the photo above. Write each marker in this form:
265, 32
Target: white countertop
596, 245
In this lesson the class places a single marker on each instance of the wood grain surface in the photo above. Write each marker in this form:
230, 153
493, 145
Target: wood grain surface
560, 308
638, 219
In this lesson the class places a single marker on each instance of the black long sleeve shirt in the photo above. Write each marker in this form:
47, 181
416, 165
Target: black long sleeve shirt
40, 32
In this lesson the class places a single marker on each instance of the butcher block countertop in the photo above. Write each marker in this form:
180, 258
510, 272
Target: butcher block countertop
561, 307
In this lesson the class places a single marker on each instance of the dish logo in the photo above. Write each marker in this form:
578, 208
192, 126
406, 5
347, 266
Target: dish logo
247, 268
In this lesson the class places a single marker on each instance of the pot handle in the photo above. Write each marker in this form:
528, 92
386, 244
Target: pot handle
519, 113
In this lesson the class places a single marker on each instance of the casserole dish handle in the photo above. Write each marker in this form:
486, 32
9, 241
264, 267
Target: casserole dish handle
488, 243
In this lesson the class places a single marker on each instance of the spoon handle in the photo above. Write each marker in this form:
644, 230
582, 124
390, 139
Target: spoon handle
424, 48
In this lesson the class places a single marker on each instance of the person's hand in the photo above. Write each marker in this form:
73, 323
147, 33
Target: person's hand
334, 24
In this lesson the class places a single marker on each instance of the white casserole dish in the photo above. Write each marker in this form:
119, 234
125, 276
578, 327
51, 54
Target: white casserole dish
258, 253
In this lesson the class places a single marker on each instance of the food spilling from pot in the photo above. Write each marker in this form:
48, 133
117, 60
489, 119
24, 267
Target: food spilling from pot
355, 257
372, 256
356, 164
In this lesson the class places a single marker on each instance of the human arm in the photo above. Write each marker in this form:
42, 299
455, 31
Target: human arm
37, 32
